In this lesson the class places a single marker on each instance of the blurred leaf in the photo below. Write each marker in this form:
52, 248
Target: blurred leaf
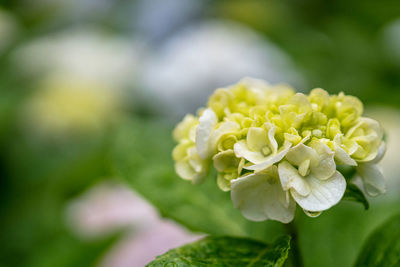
68, 251
226, 251
36, 184
8, 102
142, 157
383, 246
337, 235
353, 193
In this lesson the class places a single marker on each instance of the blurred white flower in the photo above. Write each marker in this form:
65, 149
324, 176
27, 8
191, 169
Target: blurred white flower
209, 55
64, 106
84, 53
106, 208
173, 14
84, 76
140, 248
109, 207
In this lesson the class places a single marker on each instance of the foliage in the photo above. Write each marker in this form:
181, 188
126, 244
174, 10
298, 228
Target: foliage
226, 251
383, 246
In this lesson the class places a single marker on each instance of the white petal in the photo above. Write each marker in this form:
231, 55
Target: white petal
372, 135
268, 161
368, 123
381, 153
207, 122
324, 193
260, 197
271, 137
242, 151
256, 138
373, 180
181, 150
222, 183
224, 128
300, 153
182, 130
326, 166
350, 145
186, 172
342, 157
195, 162
290, 178
306, 138
226, 161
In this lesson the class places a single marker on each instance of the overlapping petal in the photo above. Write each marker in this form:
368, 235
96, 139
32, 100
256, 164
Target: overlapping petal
373, 179
190, 166
367, 134
259, 196
207, 123
271, 159
273, 148
310, 192
258, 145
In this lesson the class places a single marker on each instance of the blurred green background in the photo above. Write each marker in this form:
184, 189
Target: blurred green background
87, 86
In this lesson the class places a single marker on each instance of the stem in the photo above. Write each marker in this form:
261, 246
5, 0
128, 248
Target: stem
296, 257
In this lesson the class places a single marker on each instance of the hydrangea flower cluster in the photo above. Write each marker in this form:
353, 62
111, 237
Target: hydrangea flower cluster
273, 148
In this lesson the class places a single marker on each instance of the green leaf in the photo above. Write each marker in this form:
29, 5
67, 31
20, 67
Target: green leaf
383, 246
142, 156
353, 193
226, 251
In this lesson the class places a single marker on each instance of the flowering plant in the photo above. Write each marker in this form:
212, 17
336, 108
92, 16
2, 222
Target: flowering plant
274, 148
